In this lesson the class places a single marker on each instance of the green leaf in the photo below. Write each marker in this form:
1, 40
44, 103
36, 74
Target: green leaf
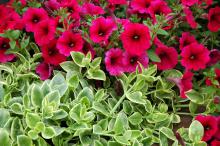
33, 134
99, 96
4, 138
136, 97
159, 117
53, 98
70, 66
4, 117
59, 83
127, 107
96, 74
122, 140
48, 133
114, 143
195, 96
162, 32
16, 128
120, 123
39, 127
36, 96
135, 118
17, 108
59, 114
196, 131
153, 56
73, 81
23, 140
32, 119
100, 108
86, 92
75, 112
163, 139
96, 62
168, 133
200, 143
192, 107
78, 58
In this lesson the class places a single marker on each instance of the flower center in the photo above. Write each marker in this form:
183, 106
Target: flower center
133, 60
71, 44
51, 52
4, 46
192, 57
101, 33
35, 19
136, 37
113, 60
207, 128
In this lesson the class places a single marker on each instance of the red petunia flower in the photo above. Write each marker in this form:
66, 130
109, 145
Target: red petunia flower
159, 7
189, 17
168, 57
87, 47
68, 42
52, 4
217, 134
117, 2
51, 54
44, 70
195, 56
4, 45
214, 57
189, 2
45, 32
142, 6
184, 84
186, 40
72, 7
208, 2
89, 8
132, 61
210, 126
32, 17
136, 38
113, 61
214, 19
101, 29
215, 143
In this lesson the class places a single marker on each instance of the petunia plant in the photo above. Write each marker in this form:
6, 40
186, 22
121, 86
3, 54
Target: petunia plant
109, 73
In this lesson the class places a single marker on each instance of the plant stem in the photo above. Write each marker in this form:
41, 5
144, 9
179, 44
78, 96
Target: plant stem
184, 105
118, 103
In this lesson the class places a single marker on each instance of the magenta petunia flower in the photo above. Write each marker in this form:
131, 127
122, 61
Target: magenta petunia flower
72, 7
215, 142
101, 29
189, 2
214, 57
142, 6
113, 61
189, 17
132, 61
210, 126
52, 4
89, 8
159, 7
44, 70
51, 54
117, 2
45, 32
195, 56
184, 84
32, 17
87, 47
4, 46
217, 134
214, 19
186, 40
168, 57
136, 38
68, 42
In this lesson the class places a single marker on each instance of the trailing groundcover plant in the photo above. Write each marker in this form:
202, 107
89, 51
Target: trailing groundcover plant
110, 73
